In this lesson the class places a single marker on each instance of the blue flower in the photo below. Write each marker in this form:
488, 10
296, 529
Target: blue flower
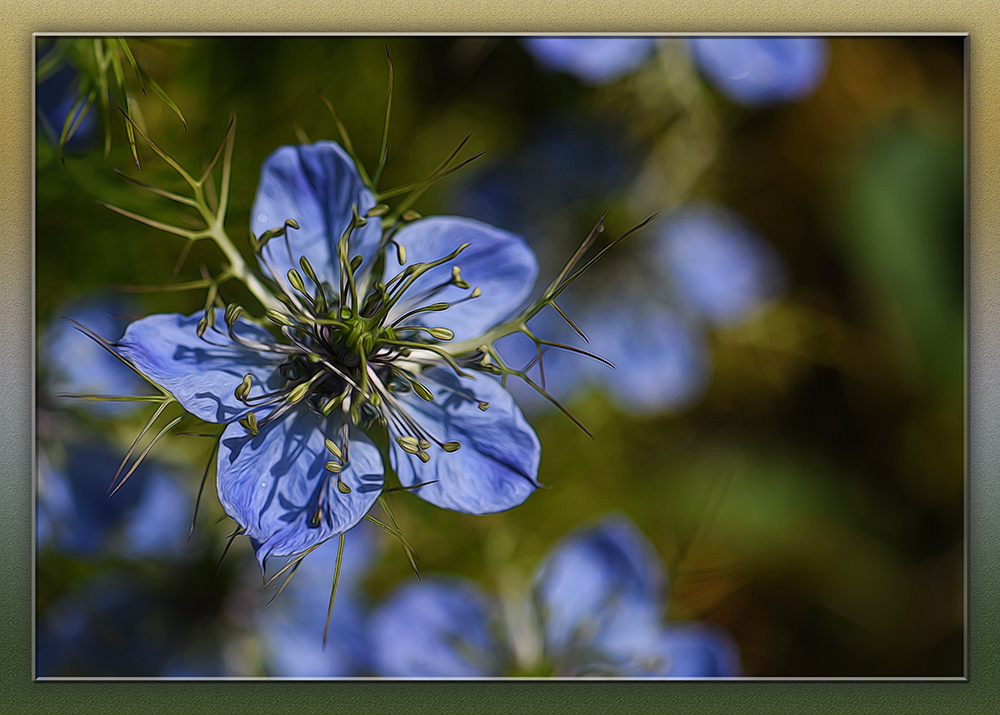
290, 627
74, 364
386, 338
592, 60
762, 71
598, 601
437, 628
718, 263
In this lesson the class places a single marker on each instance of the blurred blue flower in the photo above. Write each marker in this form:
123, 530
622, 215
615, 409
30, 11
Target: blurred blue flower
718, 263
598, 598
305, 470
291, 627
74, 364
437, 628
592, 60
762, 71
661, 360
148, 517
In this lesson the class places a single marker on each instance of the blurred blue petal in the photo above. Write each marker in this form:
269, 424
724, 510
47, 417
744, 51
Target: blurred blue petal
147, 517
436, 628
718, 263
661, 361
696, 650
591, 576
762, 71
316, 185
592, 60
202, 375
497, 262
496, 467
75, 364
275, 483
292, 627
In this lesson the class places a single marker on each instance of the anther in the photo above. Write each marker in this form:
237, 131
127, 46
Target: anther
243, 389
249, 423
441, 333
409, 444
233, 313
280, 318
295, 278
451, 446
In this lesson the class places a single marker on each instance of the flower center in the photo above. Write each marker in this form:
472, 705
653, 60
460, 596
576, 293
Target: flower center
355, 348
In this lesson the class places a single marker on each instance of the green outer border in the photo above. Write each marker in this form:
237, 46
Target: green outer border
20, 694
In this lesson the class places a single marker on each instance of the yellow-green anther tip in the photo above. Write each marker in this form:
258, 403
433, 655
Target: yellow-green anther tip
424, 457
441, 333
343, 488
298, 392
334, 467
484, 406
451, 446
424, 444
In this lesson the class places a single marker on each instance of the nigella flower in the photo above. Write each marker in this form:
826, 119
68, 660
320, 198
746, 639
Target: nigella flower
597, 601
762, 71
372, 328
592, 60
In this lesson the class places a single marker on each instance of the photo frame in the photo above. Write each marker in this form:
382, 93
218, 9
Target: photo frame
527, 695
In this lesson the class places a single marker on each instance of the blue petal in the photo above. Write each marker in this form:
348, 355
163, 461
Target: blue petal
316, 185
762, 71
661, 361
272, 484
718, 263
201, 375
592, 60
498, 263
497, 465
695, 650
607, 577
435, 629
